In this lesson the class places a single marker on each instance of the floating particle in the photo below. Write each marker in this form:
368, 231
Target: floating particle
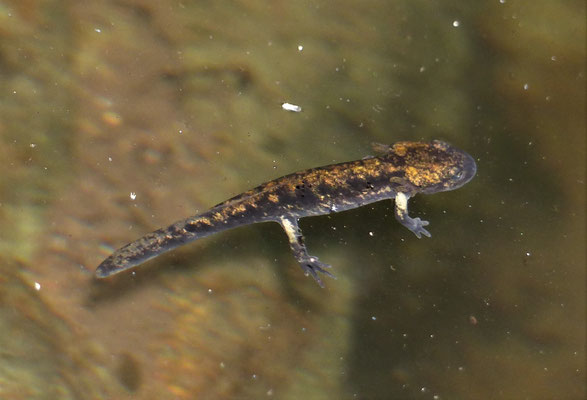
291, 107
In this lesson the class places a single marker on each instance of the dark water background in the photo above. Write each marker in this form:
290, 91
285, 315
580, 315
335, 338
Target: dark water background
179, 104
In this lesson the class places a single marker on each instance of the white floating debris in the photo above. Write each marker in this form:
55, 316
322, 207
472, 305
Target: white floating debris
133, 195
37, 286
291, 107
456, 24
300, 47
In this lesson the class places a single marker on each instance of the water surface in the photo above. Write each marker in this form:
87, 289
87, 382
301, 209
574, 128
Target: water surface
121, 117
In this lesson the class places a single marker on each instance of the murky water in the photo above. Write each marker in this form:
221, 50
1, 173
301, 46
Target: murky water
118, 117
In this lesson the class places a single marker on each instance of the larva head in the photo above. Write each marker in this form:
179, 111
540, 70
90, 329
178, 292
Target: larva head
432, 167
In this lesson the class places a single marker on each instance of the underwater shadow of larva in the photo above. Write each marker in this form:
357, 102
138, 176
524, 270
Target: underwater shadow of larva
245, 244
181, 260
115, 287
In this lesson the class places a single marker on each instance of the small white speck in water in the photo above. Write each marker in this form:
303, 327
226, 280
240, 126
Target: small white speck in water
37, 286
291, 107
456, 24
300, 47
133, 195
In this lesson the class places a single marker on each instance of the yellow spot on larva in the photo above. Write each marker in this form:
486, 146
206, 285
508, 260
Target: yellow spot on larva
273, 198
239, 208
422, 177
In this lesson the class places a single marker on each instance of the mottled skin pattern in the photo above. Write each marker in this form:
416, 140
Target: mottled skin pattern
399, 172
